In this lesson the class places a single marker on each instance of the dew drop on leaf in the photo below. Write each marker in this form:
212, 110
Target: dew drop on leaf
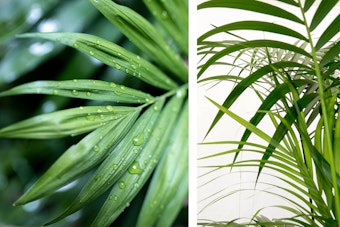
115, 166
155, 108
115, 198
90, 117
164, 15
88, 94
138, 140
113, 84
109, 108
135, 168
96, 148
55, 92
74, 92
121, 184
91, 53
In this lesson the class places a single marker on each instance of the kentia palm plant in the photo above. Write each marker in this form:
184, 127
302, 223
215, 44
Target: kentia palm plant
295, 75
133, 134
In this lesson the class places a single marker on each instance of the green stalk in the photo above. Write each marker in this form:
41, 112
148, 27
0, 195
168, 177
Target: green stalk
324, 116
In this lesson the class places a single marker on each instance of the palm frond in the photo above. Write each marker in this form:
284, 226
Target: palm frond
297, 91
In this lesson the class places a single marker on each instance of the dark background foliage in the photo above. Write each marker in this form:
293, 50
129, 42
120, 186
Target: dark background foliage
22, 161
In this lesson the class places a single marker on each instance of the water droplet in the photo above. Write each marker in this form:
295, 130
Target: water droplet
110, 197
138, 140
164, 15
91, 53
99, 111
135, 151
109, 108
102, 117
90, 117
117, 66
75, 80
156, 108
121, 184
74, 92
55, 92
115, 166
75, 45
115, 198
96, 148
122, 87
127, 70
88, 94
135, 168
81, 107
134, 66
113, 84
136, 185
98, 42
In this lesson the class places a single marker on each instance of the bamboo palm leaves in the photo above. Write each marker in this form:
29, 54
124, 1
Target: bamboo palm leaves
132, 133
296, 80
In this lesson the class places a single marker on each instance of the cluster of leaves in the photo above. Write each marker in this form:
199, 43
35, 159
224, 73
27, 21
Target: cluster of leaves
131, 132
297, 81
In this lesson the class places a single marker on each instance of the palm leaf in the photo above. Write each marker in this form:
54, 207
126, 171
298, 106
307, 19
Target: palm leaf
112, 55
294, 98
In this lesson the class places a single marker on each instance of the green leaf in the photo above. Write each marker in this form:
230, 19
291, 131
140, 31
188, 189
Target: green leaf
118, 160
252, 44
329, 56
249, 81
143, 35
79, 158
246, 124
173, 16
174, 206
70, 122
253, 25
336, 144
168, 176
308, 4
85, 89
112, 55
252, 5
332, 29
141, 169
277, 94
323, 10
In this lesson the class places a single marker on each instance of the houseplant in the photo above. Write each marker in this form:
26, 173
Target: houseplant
130, 128
294, 73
